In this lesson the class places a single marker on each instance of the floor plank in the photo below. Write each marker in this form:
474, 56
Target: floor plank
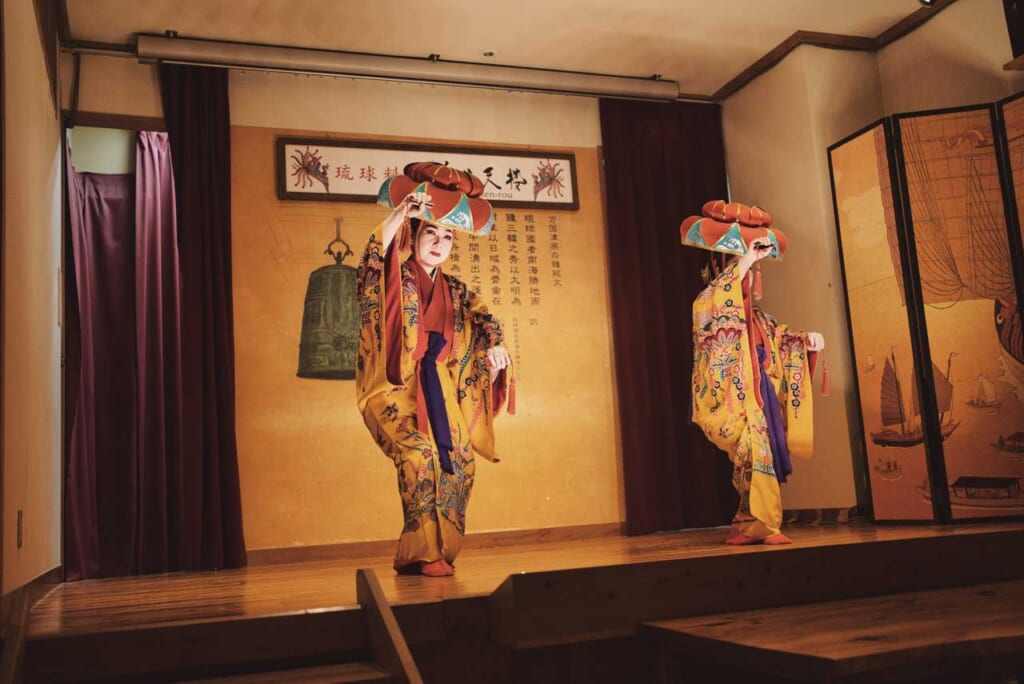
126, 603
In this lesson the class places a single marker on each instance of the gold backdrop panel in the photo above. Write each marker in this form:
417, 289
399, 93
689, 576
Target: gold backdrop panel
311, 474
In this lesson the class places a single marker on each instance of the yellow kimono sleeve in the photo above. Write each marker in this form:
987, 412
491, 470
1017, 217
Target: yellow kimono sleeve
371, 364
791, 376
479, 401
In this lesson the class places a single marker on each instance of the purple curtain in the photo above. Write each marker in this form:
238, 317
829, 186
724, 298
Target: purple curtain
661, 163
100, 397
161, 534
195, 102
136, 499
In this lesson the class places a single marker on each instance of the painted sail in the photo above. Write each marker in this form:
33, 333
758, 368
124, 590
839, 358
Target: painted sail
986, 390
913, 390
892, 398
943, 389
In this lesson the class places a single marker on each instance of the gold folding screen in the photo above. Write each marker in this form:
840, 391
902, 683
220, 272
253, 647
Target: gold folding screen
930, 245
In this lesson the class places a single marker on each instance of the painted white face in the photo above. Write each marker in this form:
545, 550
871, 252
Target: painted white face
433, 245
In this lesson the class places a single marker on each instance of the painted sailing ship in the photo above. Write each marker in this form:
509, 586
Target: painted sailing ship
1014, 443
985, 397
997, 493
900, 429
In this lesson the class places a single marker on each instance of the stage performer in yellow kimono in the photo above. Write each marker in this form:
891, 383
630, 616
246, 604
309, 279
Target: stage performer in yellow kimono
432, 373
751, 374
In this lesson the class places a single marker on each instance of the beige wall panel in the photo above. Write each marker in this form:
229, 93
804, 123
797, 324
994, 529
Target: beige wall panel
412, 110
116, 85
777, 130
123, 86
955, 59
31, 334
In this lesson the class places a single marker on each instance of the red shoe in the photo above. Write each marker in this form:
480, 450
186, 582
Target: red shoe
742, 540
777, 539
437, 568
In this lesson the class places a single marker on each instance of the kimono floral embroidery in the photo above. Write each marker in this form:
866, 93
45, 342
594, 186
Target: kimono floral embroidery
434, 501
725, 402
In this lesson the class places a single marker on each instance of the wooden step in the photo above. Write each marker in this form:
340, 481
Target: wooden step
347, 673
538, 609
913, 634
330, 635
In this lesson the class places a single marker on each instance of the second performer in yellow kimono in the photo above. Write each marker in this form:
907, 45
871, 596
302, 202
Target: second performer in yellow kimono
751, 375
432, 373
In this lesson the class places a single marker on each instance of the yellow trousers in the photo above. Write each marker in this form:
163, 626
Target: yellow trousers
759, 514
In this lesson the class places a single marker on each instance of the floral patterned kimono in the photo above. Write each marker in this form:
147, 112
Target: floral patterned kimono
727, 401
434, 500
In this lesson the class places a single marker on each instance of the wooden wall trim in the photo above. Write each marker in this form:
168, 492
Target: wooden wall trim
911, 22
35, 589
837, 41
385, 548
13, 631
63, 24
46, 20
14, 622
122, 121
779, 52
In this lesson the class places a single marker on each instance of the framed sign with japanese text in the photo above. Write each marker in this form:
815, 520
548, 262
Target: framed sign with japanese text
316, 169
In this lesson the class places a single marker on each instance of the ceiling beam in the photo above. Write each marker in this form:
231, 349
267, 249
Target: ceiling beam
837, 41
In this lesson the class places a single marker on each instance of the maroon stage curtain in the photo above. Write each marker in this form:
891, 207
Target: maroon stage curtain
661, 163
195, 102
162, 537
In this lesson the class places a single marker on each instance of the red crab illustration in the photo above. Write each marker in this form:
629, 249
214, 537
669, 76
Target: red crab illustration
548, 177
307, 166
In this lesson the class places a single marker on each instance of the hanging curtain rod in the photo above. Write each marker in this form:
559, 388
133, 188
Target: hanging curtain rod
172, 49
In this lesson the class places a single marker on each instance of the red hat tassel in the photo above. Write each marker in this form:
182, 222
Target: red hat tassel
824, 375
405, 237
512, 397
757, 290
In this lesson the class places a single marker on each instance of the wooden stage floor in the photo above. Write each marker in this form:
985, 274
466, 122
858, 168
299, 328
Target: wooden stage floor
128, 603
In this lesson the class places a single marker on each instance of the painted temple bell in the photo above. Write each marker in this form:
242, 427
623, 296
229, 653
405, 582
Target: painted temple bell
330, 318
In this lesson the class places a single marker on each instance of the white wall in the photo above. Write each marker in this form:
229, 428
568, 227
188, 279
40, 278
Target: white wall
790, 115
955, 59
32, 220
776, 132
323, 103
102, 150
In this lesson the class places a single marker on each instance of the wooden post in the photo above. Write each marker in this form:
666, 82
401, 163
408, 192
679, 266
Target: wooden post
387, 644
